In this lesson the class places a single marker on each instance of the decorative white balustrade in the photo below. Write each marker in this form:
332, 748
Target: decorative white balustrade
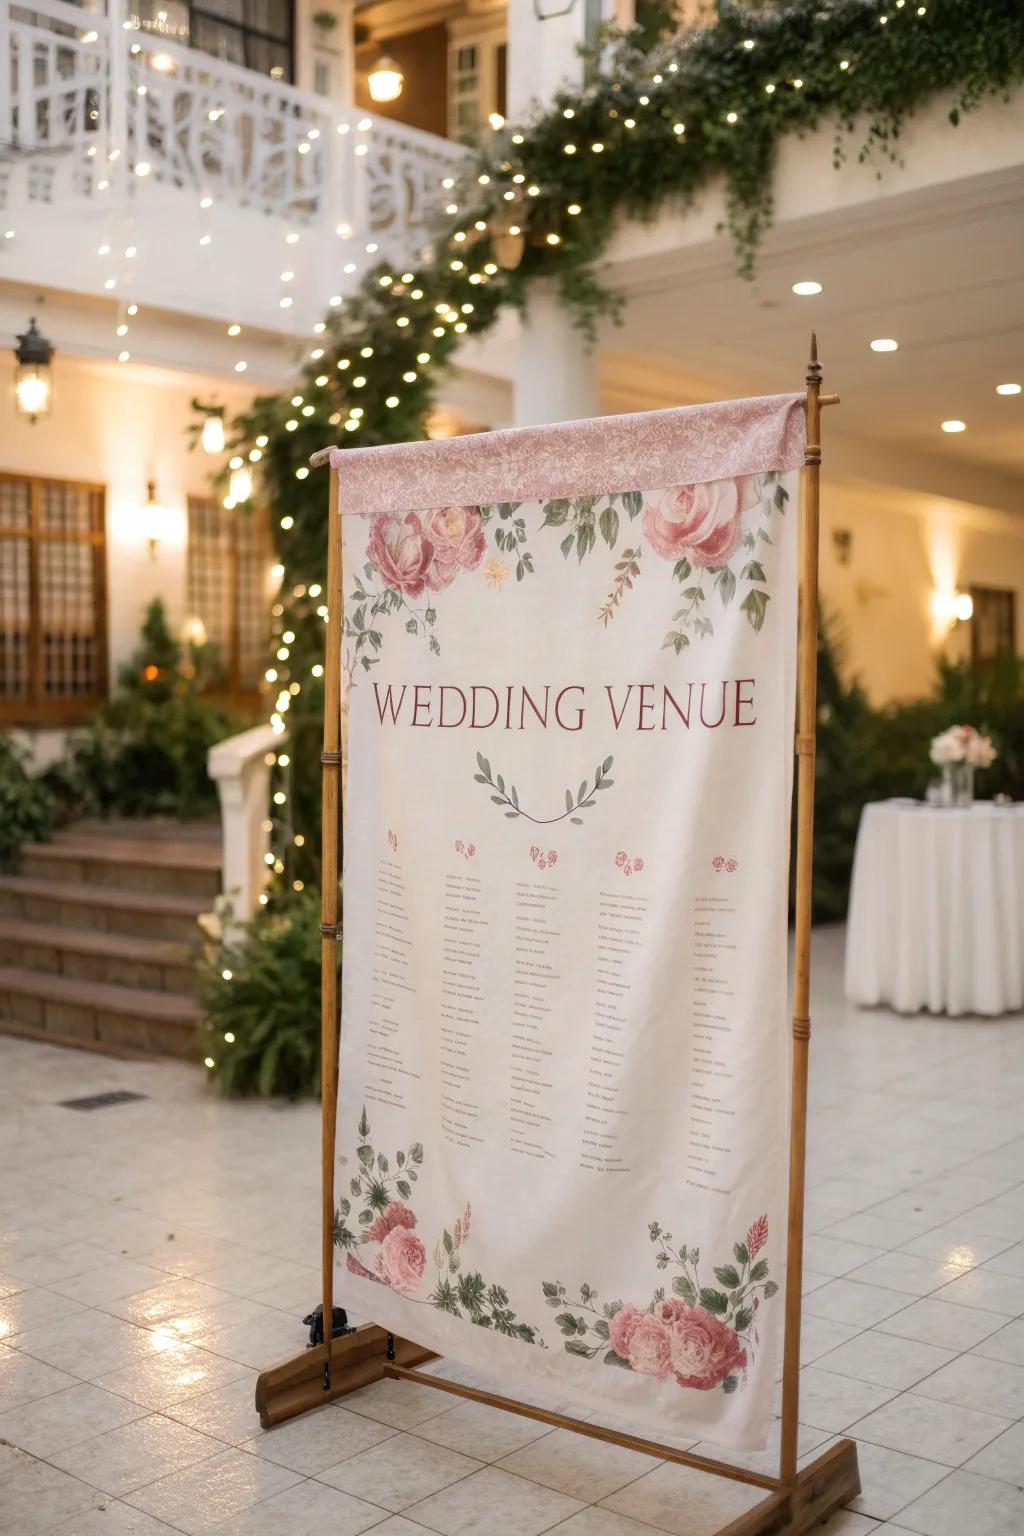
128, 103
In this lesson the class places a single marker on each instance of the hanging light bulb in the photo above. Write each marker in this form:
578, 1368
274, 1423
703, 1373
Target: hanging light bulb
385, 80
213, 433
240, 486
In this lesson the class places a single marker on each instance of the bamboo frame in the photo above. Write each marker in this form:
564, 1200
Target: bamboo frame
795, 1500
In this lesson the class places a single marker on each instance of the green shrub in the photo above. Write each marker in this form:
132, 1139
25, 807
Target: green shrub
260, 995
144, 752
27, 808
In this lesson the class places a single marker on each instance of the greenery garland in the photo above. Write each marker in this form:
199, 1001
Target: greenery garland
646, 131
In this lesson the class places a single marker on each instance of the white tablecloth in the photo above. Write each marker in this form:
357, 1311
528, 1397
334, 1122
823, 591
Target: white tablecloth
937, 909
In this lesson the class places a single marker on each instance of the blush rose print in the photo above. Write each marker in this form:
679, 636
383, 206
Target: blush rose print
703, 1335
382, 1244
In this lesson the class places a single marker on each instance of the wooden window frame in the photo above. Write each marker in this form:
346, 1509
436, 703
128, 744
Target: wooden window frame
233, 691
981, 593
38, 710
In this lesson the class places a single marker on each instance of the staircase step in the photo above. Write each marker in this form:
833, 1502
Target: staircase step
151, 864
67, 903
159, 965
97, 1013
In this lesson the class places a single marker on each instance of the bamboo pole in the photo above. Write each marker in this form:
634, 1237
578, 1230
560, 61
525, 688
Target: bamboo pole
330, 1018
807, 686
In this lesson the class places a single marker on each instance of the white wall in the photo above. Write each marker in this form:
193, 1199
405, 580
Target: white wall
904, 547
118, 426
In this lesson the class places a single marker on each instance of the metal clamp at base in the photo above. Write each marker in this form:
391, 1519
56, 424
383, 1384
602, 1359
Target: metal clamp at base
330, 930
331, 757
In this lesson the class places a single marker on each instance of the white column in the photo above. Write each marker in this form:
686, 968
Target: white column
542, 49
242, 776
556, 374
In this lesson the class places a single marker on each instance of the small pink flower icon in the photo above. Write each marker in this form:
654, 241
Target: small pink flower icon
620, 858
542, 863
393, 840
626, 870
638, 865
552, 857
458, 845
535, 853
730, 865
718, 862
470, 850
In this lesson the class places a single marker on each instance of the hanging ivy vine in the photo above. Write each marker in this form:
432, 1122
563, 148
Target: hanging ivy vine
648, 131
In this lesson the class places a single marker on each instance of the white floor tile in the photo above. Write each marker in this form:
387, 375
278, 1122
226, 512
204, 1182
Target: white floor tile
53, 1423
201, 1497
684, 1501
318, 1440
135, 1454
886, 1359
399, 1472
491, 1500
966, 1502
584, 1469
1002, 1458
937, 1431
890, 1480
303, 1509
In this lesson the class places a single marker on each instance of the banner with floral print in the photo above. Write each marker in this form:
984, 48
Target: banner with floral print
569, 668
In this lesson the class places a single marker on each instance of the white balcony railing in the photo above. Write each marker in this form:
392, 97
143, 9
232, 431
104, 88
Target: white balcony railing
123, 103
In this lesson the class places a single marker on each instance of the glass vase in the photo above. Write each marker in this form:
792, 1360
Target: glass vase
958, 784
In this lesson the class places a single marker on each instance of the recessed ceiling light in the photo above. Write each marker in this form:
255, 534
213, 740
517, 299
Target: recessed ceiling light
954, 426
806, 289
885, 344
1008, 389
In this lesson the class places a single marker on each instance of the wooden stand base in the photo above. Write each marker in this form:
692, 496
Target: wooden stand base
297, 1385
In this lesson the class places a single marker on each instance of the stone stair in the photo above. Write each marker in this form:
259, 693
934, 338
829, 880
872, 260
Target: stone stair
98, 936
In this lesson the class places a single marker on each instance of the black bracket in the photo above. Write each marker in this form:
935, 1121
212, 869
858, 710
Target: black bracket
391, 1346
315, 1323
330, 931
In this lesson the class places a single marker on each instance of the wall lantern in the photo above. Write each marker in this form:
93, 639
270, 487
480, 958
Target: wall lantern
155, 520
952, 608
32, 384
385, 80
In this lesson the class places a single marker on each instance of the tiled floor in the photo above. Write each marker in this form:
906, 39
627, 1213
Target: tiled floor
154, 1255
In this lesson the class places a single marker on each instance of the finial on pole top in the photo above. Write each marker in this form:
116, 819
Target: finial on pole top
813, 376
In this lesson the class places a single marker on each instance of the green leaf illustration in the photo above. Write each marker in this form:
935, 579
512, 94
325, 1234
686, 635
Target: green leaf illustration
684, 1287
713, 1301
727, 1276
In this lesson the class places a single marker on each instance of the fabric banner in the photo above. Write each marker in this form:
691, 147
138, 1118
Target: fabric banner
569, 655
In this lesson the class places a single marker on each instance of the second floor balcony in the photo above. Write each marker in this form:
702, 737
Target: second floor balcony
134, 167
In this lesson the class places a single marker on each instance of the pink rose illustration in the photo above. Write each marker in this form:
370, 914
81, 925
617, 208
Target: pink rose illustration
757, 1237
354, 1267
703, 1350
620, 1329
719, 863
626, 870
670, 1311
470, 850
542, 863
552, 857
394, 1215
620, 858
638, 865
730, 865
402, 1260
457, 536
701, 522
650, 1351
401, 551
534, 853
